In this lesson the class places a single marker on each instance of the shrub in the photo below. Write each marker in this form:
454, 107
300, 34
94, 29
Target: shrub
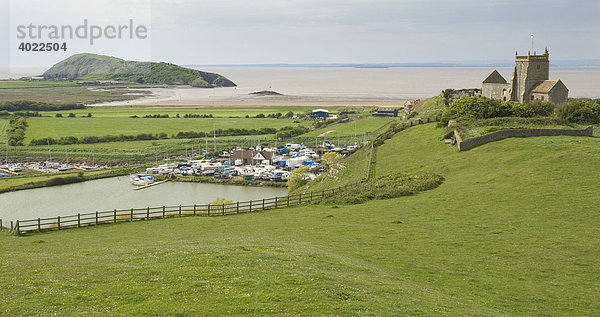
37, 106
412, 115
542, 108
579, 111
386, 187
221, 201
296, 179
16, 131
485, 108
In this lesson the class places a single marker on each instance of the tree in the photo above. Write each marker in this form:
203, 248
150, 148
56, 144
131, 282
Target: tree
297, 179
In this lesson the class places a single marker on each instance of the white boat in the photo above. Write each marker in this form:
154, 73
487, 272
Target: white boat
141, 179
14, 168
65, 167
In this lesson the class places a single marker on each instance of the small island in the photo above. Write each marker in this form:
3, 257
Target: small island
266, 93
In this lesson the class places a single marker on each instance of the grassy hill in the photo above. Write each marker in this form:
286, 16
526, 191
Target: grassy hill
513, 230
99, 67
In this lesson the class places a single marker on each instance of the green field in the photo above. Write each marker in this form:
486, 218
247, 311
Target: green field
357, 127
63, 95
61, 127
117, 120
4, 84
512, 231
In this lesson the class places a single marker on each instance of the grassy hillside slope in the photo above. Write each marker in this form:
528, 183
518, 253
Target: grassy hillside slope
100, 67
514, 230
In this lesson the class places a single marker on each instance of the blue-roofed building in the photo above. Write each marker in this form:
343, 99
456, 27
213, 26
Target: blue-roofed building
319, 114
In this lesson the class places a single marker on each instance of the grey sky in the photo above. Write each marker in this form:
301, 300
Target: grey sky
339, 31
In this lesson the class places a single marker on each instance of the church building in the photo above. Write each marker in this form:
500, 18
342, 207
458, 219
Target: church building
530, 81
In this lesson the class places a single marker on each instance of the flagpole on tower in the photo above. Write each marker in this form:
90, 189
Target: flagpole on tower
532, 44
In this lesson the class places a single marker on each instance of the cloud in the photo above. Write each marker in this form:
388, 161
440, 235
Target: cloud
313, 31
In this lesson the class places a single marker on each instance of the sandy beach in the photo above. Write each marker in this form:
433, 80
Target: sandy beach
222, 97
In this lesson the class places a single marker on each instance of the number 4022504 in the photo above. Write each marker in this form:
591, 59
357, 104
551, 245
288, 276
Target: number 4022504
43, 47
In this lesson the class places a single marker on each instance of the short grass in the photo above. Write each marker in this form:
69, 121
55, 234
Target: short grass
513, 230
4, 84
172, 111
356, 127
430, 108
63, 95
98, 126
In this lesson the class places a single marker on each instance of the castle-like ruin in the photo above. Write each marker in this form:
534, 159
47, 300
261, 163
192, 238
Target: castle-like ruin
530, 81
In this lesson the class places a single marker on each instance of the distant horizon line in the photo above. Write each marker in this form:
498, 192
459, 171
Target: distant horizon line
467, 63
464, 63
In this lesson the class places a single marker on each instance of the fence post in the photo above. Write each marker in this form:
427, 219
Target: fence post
263, 208
163, 212
250, 205
237, 210
1, 228
194, 210
39, 224
131, 216
300, 199
18, 229
58, 220
223, 210
96, 218
115, 216
276, 202
11, 227
209, 210
179, 210
78, 220
288, 200
311, 196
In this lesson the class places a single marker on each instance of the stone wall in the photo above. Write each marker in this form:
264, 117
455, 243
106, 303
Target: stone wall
517, 133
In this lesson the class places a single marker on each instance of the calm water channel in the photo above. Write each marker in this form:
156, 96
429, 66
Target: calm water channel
118, 193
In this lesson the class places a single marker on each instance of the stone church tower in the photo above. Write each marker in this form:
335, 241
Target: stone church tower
530, 81
529, 71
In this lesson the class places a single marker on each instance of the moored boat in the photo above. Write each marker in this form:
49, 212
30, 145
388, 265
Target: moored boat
141, 179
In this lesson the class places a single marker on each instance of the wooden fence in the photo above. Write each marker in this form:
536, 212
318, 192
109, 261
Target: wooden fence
137, 214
